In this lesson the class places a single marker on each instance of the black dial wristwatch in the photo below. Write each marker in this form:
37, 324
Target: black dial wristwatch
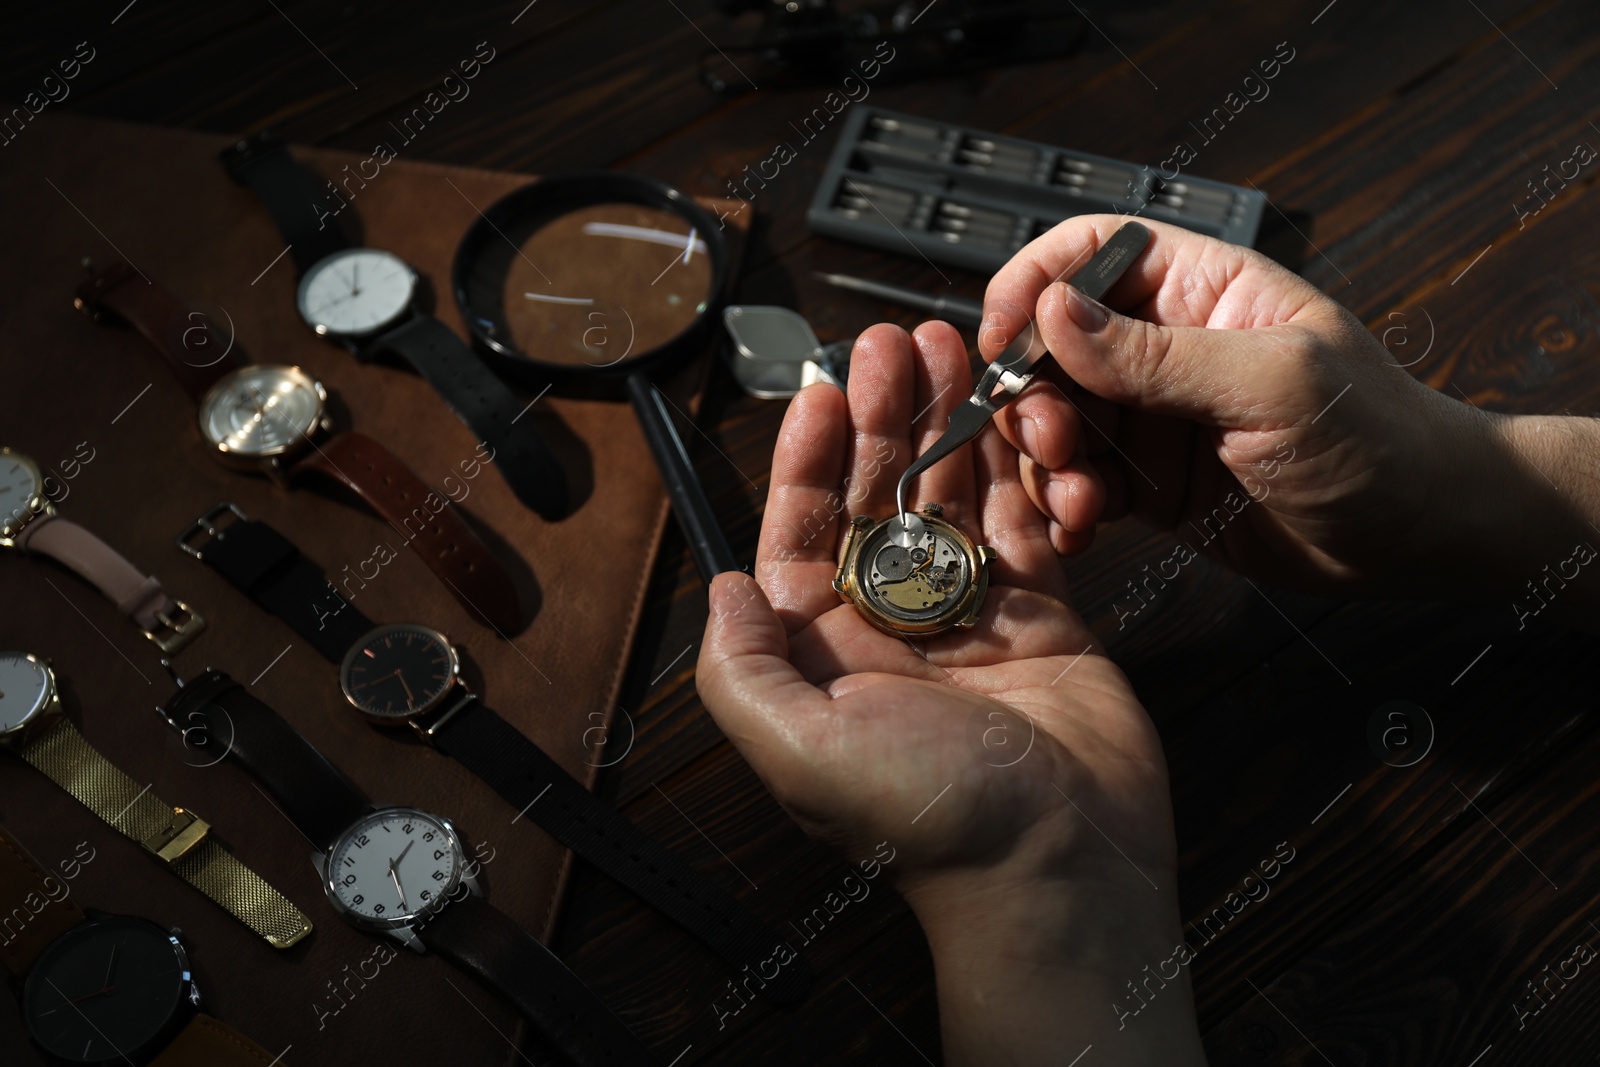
365, 299
33, 726
106, 989
409, 675
403, 872
274, 418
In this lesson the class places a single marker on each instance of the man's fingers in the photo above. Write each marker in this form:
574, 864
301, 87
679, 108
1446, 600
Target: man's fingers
1012, 526
805, 506
744, 677
882, 395
1224, 378
944, 380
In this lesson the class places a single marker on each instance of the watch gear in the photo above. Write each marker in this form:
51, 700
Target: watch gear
922, 577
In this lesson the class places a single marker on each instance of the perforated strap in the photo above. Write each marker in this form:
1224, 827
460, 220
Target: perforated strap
294, 196
185, 339
427, 521
489, 409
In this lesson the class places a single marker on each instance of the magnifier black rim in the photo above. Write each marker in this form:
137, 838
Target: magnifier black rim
556, 194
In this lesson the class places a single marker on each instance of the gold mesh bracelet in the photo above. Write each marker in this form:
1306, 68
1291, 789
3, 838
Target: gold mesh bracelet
179, 838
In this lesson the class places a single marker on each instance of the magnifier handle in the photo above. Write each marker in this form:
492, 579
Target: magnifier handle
707, 543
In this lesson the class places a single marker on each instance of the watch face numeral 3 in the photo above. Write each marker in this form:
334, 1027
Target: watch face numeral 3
383, 868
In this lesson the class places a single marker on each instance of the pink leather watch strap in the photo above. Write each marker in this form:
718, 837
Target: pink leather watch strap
166, 621
428, 521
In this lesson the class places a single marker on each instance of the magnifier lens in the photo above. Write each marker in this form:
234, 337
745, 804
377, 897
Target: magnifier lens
606, 281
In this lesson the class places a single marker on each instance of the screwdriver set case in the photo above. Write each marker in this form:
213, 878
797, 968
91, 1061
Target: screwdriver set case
971, 199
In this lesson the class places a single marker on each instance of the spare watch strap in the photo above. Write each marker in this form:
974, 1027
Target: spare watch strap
487, 944
427, 520
22, 884
179, 838
483, 402
186, 339
533, 783
265, 566
313, 793
169, 622
293, 194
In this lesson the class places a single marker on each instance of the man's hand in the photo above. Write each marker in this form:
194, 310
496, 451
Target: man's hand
1010, 767
1240, 408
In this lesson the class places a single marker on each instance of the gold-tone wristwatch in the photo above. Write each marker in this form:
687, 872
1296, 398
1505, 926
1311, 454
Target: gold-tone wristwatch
934, 584
33, 726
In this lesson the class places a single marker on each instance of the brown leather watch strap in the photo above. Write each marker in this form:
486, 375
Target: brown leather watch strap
34, 907
426, 519
165, 620
186, 338
205, 1042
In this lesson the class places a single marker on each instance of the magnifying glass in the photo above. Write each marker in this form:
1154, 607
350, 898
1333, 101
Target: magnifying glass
591, 282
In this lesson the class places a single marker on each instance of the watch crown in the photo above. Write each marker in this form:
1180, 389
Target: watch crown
933, 510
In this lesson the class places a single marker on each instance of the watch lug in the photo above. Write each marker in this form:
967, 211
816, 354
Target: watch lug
320, 862
410, 940
276, 472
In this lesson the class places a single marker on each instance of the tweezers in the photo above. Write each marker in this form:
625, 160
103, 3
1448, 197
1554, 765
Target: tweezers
1012, 369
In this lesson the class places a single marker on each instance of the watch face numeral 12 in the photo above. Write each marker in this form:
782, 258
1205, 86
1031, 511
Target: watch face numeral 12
381, 869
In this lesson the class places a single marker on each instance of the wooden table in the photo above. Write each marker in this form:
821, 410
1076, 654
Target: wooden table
1397, 146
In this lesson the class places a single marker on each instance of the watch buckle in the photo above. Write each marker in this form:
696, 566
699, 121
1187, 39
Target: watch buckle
207, 524
177, 629
182, 834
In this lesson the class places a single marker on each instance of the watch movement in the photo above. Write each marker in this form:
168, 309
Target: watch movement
934, 582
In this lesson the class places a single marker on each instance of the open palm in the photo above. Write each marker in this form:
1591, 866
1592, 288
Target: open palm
1015, 742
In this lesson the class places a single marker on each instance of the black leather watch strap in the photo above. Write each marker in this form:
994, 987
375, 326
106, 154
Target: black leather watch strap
482, 401
268, 568
294, 196
216, 713
488, 945
533, 783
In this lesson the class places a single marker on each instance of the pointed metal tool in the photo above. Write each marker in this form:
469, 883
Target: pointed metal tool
1012, 370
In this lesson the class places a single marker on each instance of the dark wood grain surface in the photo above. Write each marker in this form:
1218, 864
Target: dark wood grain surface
1395, 148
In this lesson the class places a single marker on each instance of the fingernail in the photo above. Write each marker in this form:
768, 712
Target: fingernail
1090, 316
1055, 498
1030, 438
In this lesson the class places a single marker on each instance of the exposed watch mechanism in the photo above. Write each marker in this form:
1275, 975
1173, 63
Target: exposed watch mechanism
921, 577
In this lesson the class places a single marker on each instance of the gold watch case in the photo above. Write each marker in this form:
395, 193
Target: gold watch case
938, 584
270, 439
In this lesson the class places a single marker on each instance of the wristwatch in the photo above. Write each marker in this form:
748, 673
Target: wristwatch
28, 521
273, 418
935, 584
33, 726
366, 300
107, 989
403, 872
408, 675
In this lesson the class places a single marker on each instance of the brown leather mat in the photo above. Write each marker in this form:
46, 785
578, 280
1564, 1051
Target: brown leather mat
87, 188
